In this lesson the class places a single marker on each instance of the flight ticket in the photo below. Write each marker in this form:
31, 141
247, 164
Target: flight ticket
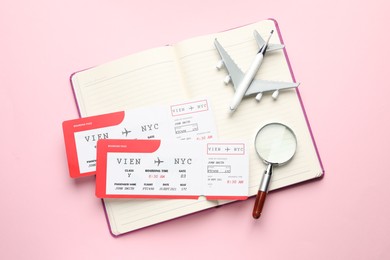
172, 169
192, 120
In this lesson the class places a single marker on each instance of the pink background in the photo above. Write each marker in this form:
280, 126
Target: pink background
339, 51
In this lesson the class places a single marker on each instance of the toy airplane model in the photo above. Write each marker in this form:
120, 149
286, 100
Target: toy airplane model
244, 85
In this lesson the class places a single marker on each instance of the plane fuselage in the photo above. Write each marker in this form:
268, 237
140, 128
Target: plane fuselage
247, 80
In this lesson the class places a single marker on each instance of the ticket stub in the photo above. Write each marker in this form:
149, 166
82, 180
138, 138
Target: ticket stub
184, 121
171, 169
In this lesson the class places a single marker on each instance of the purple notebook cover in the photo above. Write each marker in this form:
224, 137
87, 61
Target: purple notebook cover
303, 109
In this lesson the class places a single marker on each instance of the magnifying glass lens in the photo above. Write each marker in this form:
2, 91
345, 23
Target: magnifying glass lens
275, 143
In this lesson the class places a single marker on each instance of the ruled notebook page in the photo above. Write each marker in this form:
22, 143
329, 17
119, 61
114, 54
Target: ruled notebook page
142, 79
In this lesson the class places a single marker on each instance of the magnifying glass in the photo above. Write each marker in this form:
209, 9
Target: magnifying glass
275, 144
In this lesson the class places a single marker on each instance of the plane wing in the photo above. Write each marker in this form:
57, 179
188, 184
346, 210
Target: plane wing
234, 71
260, 86
261, 42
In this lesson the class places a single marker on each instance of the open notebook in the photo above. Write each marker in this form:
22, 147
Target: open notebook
186, 70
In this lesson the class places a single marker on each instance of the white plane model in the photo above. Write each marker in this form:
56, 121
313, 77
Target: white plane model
243, 84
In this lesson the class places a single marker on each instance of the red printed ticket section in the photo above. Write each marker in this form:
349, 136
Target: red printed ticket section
171, 169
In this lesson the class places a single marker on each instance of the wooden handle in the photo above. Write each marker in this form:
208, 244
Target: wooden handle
259, 203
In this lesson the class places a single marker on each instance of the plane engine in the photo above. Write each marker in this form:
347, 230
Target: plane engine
219, 64
227, 79
258, 96
275, 94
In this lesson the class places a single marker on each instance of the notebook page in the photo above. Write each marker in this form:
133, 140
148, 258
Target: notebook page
198, 58
142, 79
128, 215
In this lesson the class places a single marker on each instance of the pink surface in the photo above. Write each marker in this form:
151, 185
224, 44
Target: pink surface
339, 52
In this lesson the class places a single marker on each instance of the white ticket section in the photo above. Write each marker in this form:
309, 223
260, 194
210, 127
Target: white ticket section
227, 168
179, 170
184, 121
193, 120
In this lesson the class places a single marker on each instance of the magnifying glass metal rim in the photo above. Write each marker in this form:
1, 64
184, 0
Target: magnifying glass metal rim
263, 188
276, 163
